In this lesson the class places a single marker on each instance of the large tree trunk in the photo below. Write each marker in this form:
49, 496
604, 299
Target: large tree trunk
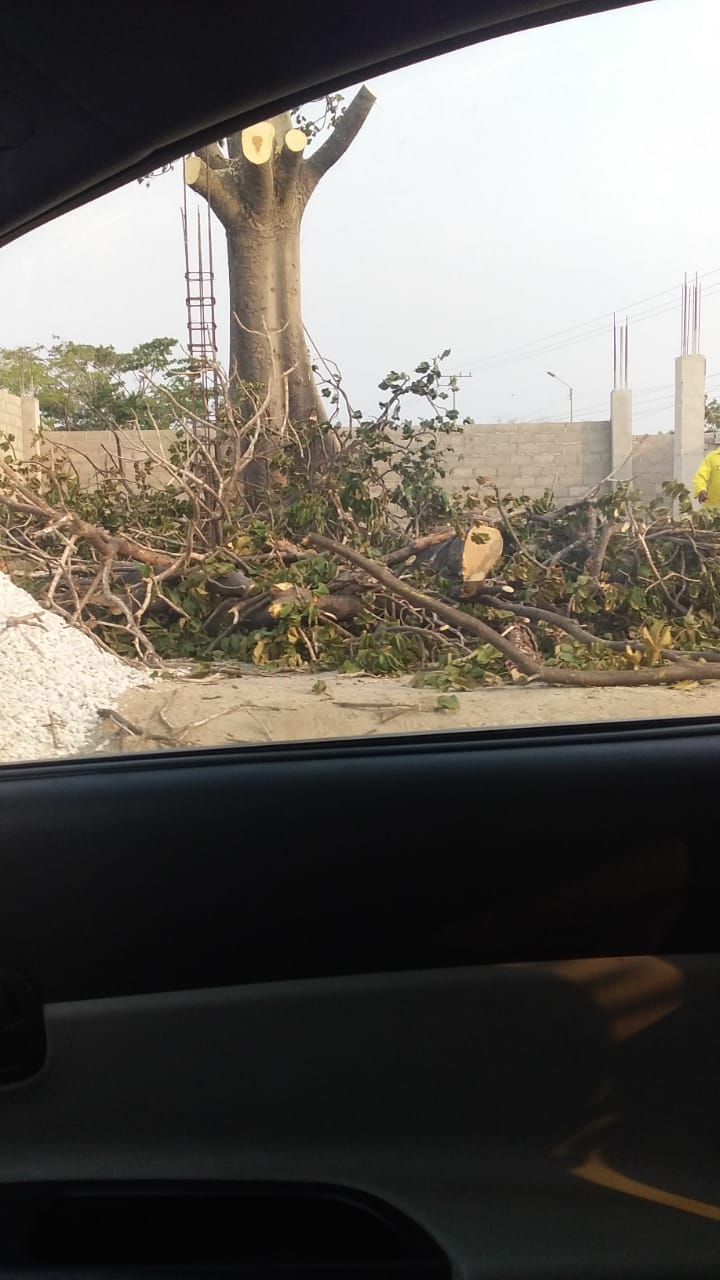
267, 339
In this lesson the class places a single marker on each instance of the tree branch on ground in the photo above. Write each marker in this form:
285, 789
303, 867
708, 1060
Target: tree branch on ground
360, 562
524, 664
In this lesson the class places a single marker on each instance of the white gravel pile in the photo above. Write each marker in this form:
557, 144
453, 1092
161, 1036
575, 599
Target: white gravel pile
53, 680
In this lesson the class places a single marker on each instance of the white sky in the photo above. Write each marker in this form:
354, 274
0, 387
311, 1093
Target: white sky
494, 197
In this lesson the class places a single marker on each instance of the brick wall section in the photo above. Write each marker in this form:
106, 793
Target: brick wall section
652, 463
520, 457
531, 457
95, 453
92, 453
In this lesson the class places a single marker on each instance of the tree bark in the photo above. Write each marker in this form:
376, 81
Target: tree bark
267, 338
257, 612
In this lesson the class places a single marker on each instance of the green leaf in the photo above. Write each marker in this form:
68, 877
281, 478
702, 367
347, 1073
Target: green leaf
447, 702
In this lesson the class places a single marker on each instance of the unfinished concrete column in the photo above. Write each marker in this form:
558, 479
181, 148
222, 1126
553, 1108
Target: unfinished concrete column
11, 422
621, 441
689, 417
30, 418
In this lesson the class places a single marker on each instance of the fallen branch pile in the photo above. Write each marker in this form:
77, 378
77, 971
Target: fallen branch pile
527, 665
363, 563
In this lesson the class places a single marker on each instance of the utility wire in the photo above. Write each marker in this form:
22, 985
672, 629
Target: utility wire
574, 334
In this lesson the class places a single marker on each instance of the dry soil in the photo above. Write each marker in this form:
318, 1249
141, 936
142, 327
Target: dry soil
224, 709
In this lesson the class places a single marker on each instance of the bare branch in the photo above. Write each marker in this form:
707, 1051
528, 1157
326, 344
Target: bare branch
344, 133
677, 608
103, 542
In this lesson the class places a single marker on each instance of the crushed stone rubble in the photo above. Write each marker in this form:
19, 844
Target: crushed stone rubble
53, 681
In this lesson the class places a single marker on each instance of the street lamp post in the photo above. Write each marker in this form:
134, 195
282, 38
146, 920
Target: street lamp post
550, 374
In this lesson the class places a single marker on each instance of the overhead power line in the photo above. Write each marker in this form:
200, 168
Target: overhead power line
588, 330
646, 400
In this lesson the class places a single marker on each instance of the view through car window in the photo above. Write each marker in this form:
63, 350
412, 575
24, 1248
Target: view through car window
461, 470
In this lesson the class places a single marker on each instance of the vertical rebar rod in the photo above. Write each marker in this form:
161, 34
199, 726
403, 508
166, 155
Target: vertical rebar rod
615, 368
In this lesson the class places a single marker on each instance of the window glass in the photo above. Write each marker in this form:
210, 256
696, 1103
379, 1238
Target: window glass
459, 468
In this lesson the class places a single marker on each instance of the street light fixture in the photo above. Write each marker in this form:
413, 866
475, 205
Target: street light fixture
550, 374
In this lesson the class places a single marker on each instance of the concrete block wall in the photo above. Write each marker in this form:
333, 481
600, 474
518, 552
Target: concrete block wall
531, 457
520, 457
91, 453
652, 463
94, 454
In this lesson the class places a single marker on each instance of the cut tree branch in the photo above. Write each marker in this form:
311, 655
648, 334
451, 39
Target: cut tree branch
420, 544
289, 161
577, 632
598, 557
214, 187
446, 612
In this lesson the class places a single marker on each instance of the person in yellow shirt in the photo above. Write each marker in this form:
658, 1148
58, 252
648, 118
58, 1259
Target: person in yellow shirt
706, 485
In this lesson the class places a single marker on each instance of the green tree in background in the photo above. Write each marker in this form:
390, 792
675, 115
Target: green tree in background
712, 413
82, 387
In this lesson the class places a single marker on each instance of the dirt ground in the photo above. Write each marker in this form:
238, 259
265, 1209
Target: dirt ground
252, 707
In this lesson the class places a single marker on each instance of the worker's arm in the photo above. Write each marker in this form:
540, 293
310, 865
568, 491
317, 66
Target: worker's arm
702, 476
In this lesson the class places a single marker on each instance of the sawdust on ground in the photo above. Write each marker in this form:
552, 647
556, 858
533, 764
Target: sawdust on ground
222, 710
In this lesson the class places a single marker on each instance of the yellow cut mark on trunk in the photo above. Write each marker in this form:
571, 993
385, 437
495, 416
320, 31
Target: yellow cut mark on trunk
595, 1170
